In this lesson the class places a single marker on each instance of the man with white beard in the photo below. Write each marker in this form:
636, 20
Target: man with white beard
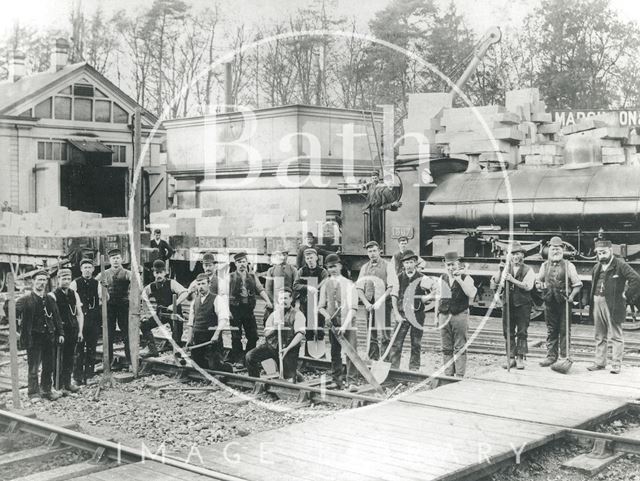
551, 280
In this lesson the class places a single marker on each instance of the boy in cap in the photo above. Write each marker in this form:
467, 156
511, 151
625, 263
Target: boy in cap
117, 280
70, 311
208, 316
308, 281
520, 280
403, 241
338, 303
408, 298
551, 280
290, 322
608, 304
244, 286
280, 275
376, 281
87, 288
456, 290
162, 291
164, 249
40, 331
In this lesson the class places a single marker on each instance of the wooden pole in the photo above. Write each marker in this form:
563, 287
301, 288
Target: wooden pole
136, 261
13, 342
106, 362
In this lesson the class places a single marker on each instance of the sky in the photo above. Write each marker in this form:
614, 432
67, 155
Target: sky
480, 14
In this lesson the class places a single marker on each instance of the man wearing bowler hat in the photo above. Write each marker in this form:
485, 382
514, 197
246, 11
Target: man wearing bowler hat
244, 287
554, 275
408, 299
456, 290
117, 280
608, 304
519, 279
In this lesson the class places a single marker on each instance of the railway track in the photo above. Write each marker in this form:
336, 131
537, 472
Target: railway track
102, 455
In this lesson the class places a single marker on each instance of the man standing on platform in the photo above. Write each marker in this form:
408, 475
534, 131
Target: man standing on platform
456, 290
87, 288
40, 331
408, 299
208, 316
551, 279
290, 322
608, 304
519, 279
165, 251
338, 303
244, 286
376, 281
70, 310
117, 280
162, 291
306, 286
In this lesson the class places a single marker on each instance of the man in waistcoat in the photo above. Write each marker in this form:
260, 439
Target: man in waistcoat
208, 317
608, 304
306, 288
519, 279
456, 290
162, 291
87, 288
376, 280
408, 299
244, 287
213, 270
281, 274
40, 331
70, 310
551, 280
117, 280
290, 322
338, 303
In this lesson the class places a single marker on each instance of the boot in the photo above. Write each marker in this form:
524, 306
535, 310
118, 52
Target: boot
72, 388
512, 363
520, 362
547, 362
151, 345
51, 395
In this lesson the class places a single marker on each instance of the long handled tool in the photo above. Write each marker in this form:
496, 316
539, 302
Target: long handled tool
507, 317
369, 329
563, 365
181, 357
280, 356
316, 347
380, 368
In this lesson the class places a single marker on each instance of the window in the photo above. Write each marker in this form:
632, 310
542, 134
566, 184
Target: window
52, 150
83, 90
103, 111
43, 109
119, 153
83, 109
120, 115
63, 108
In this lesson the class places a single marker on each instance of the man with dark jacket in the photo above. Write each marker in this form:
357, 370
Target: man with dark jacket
40, 330
87, 288
306, 288
519, 279
281, 274
164, 249
608, 304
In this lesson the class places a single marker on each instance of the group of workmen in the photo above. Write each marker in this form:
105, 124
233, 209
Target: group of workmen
60, 329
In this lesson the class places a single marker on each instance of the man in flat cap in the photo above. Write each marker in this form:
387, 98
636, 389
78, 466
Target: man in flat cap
608, 304
71, 315
376, 280
519, 278
40, 330
281, 274
455, 291
87, 288
558, 279
290, 322
117, 280
162, 290
164, 249
408, 299
244, 287
306, 289
338, 303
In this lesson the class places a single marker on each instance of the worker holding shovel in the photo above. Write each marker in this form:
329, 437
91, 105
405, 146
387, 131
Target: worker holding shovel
558, 279
283, 332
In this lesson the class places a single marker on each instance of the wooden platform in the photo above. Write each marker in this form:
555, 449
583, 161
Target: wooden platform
458, 431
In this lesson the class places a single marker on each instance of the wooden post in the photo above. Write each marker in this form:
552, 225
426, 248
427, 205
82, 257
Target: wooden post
13, 341
106, 362
136, 261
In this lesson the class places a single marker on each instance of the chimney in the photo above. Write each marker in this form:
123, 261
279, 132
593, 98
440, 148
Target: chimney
16, 66
59, 54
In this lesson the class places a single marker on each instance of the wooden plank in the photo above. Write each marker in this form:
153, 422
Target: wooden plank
155, 467
62, 473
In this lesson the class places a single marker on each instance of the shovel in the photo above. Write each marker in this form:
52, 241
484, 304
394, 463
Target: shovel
563, 365
316, 348
380, 368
